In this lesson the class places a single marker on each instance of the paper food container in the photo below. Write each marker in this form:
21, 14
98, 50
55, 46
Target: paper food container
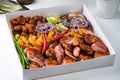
28, 74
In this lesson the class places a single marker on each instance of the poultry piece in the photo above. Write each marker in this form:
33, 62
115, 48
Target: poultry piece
84, 57
31, 56
99, 47
50, 51
66, 43
76, 51
39, 55
99, 54
68, 53
90, 39
68, 60
59, 52
68, 40
77, 41
33, 65
50, 62
52, 46
86, 48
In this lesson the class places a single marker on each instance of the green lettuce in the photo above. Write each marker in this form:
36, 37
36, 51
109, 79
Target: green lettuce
53, 20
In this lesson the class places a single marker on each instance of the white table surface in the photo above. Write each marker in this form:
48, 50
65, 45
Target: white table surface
110, 27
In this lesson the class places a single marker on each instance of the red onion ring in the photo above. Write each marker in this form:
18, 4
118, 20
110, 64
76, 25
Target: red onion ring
66, 23
44, 28
77, 22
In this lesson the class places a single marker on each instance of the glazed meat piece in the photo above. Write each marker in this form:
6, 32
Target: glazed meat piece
18, 28
76, 51
40, 56
90, 39
68, 40
68, 60
50, 62
84, 57
59, 53
14, 22
33, 65
99, 47
99, 54
77, 41
68, 53
52, 46
27, 19
21, 19
31, 56
65, 45
86, 48
50, 51
30, 27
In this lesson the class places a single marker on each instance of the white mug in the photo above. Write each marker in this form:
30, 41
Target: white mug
107, 8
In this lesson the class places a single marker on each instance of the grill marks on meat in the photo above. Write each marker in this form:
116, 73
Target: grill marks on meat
66, 42
77, 41
69, 42
90, 39
99, 54
86, 48
68, 60
99, 47
68, 53
69, 49
59, 52
31, 56
84, 57
50, 62
96, 45
50, 51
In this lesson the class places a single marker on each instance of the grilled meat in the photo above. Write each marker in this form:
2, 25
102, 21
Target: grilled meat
99, 47
68, 53
31, 56
86, 48
90, 39
68, 60
50, 62
59, 51
76, 51
99, 54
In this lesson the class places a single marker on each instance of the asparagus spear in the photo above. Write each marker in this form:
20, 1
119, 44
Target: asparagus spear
24, 60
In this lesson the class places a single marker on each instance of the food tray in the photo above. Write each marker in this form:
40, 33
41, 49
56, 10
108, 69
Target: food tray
28, 74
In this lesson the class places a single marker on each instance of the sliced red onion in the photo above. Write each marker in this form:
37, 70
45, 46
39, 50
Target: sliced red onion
66, 23
77, 22
44, 28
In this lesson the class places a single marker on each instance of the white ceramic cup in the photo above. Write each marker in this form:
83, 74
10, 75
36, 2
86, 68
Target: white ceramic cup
107, 8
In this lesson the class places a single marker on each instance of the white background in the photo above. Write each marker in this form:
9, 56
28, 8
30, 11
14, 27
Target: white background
110, 27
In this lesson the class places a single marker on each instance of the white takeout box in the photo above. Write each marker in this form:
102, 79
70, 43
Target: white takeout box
28, 74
